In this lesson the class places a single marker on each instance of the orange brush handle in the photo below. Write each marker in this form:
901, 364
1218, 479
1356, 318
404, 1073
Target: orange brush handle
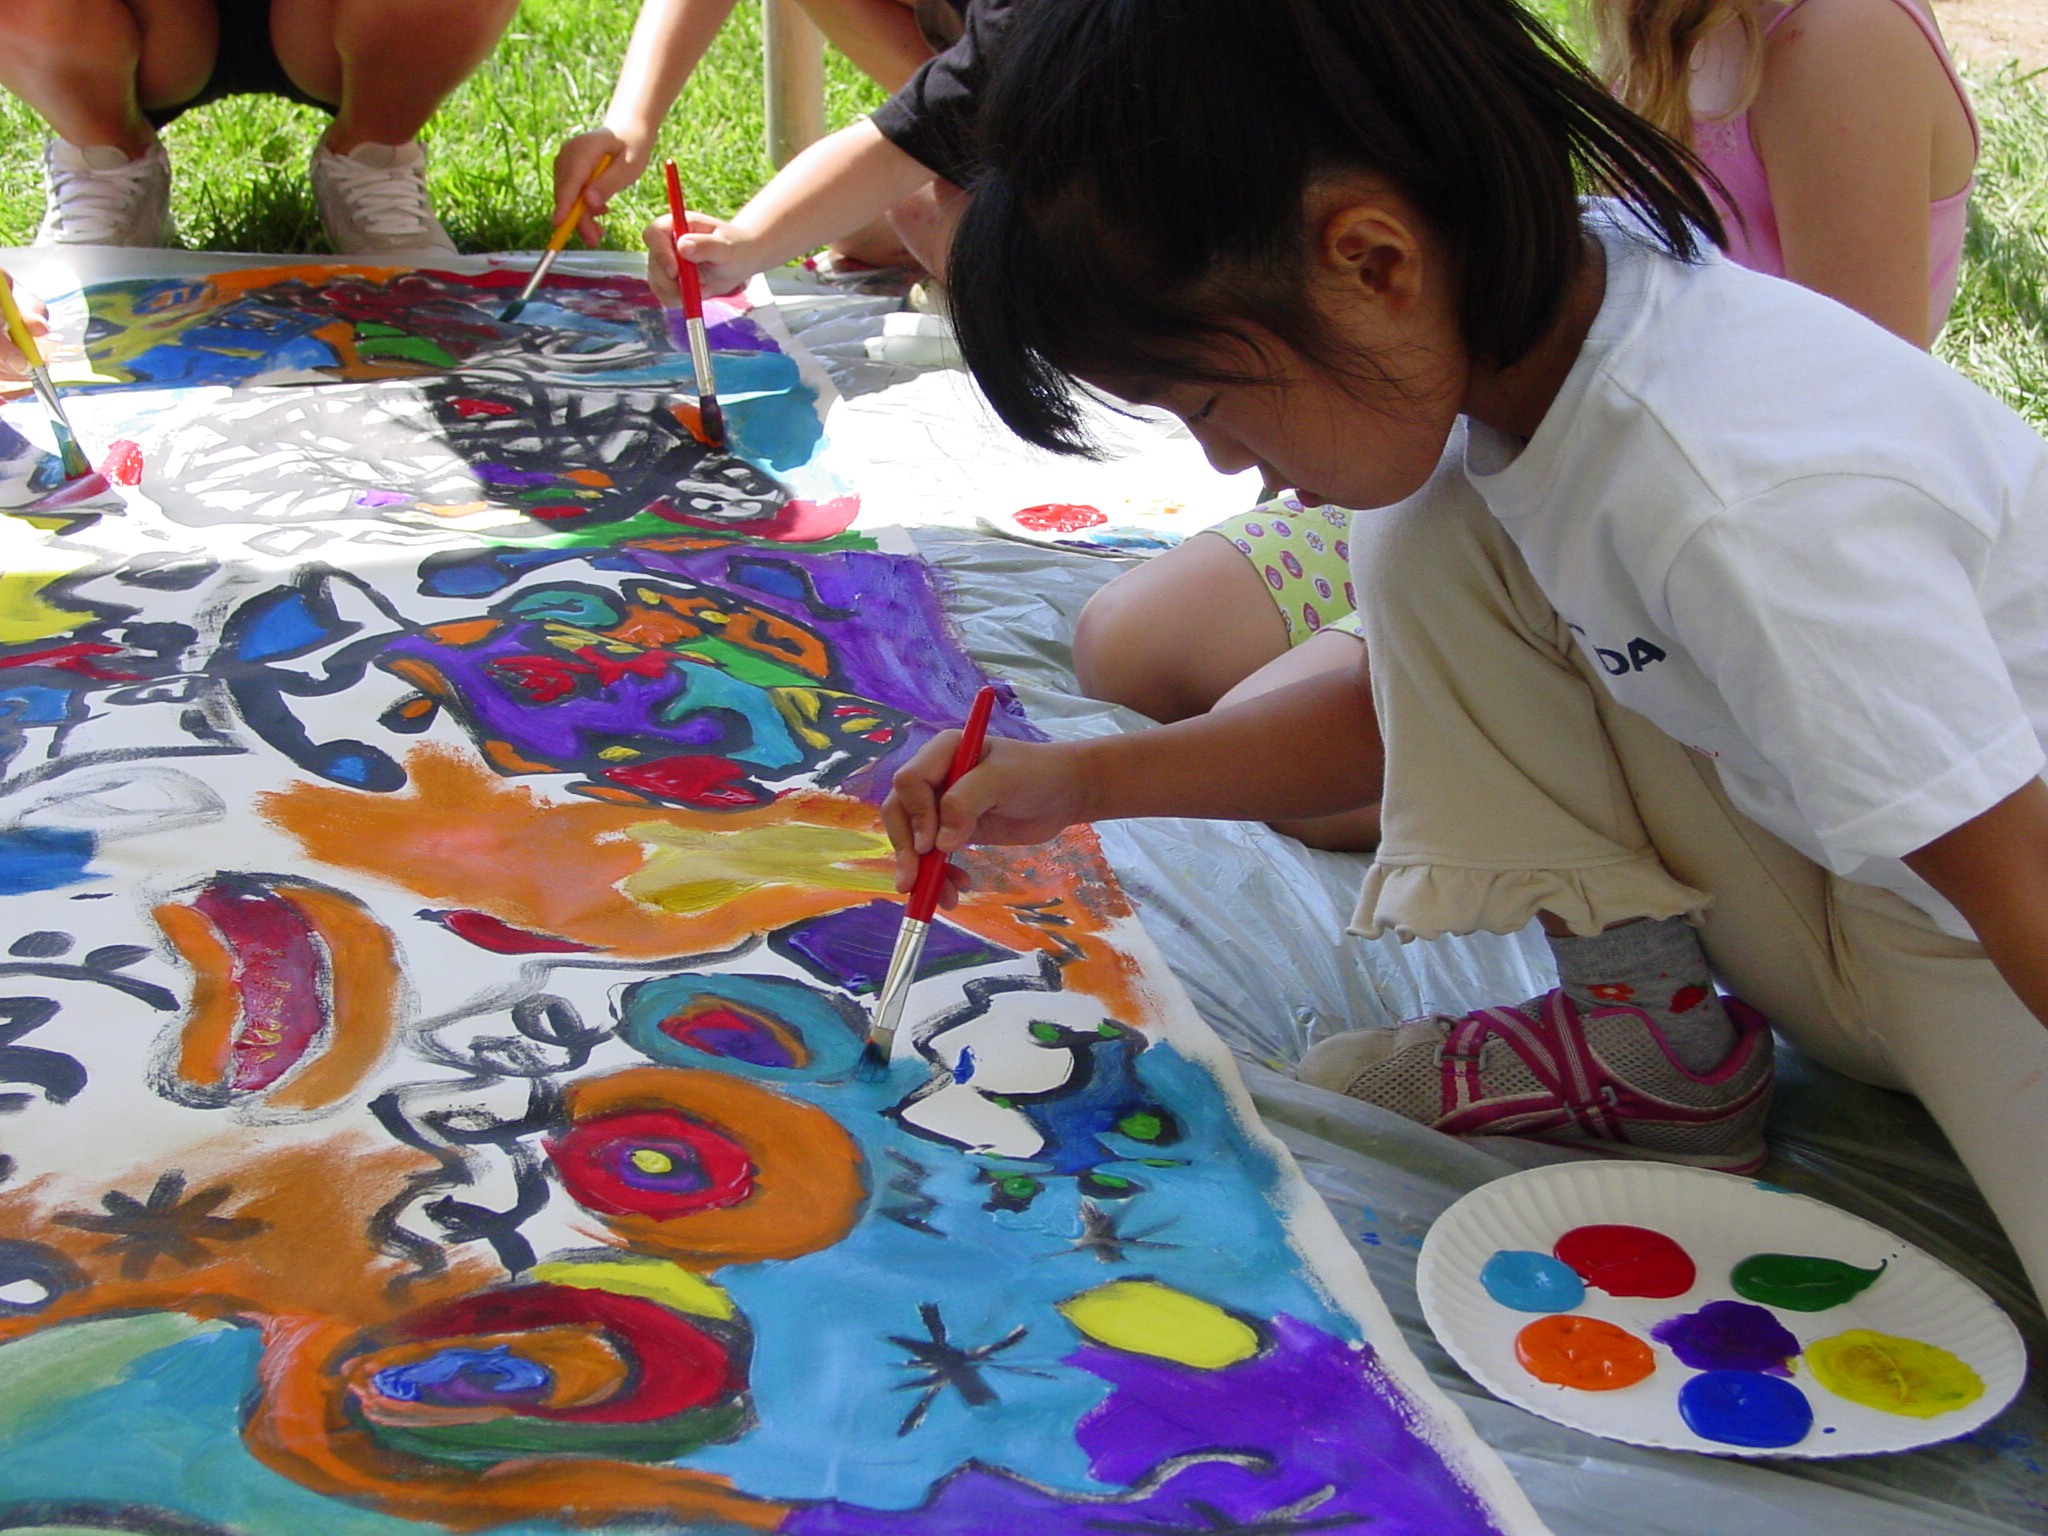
931, 868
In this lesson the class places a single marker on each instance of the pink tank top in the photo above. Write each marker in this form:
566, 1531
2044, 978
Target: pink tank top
1726, 147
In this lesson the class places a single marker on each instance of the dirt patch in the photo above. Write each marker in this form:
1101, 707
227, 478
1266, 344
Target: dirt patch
1990, 32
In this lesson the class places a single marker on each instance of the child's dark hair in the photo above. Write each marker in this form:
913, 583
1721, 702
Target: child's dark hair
1147, 163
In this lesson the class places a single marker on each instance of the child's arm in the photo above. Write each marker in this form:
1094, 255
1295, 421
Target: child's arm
670, 38
1994, 868
1311, 749
1846, 123
845, 180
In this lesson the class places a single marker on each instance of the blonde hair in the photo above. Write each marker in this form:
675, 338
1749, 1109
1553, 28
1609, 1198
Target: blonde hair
1645, 50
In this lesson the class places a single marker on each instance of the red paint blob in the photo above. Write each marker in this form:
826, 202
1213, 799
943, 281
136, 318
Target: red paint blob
675, 1365
651, 1162
467, 407
123, 463
1627, 1261
1059, 517
501, 938
556, 514
710, 782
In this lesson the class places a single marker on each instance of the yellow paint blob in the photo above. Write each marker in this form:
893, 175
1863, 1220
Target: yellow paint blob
693, 870
25, 614
652, 1279
647, 1160
1144, 1317
1893, 1375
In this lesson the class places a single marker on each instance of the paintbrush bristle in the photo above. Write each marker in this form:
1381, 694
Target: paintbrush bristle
72, 457
712, 415
511, 311
874, 1058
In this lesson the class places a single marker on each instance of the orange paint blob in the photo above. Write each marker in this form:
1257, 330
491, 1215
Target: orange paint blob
1583, 1352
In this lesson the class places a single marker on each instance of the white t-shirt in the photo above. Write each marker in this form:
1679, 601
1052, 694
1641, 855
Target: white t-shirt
1800, 546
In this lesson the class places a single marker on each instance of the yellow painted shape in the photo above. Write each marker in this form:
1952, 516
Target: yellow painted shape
26, 615
647, 1160
651, 1279
1893, 1375
1143, 1317
692, 870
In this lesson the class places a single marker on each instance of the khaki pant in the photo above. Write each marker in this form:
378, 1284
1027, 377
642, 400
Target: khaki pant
1516, 784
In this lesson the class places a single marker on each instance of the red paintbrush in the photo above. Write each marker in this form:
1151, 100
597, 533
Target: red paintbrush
919, 909
708, 413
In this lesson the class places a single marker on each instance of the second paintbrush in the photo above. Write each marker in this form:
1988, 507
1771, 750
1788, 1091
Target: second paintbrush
709, 414
922, 906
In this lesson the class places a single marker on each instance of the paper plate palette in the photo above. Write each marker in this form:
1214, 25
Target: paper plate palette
1673, 1307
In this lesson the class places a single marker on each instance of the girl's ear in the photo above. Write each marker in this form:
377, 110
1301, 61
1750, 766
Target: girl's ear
1370, 245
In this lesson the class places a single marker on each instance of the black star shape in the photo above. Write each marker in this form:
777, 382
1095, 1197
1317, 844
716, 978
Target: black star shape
1285, 1521
165, 1226
940, 1364
1102, 1234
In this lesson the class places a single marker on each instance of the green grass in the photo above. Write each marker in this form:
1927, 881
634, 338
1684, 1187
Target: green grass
240, 164
241, 168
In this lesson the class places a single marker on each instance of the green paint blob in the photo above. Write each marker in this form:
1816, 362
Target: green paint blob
1800, 1282
1142, 1126
1893, 1375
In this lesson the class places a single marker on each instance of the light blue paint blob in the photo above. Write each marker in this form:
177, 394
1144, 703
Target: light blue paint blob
1531, 1282
43, 858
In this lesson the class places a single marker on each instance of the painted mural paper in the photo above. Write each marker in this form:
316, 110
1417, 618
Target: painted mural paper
440, 896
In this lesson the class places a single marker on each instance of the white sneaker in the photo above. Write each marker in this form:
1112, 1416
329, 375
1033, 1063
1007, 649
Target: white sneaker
98, 196
373, 200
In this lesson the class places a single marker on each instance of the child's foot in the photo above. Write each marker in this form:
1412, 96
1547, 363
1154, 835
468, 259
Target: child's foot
1603, 1078
97, 195
373, 201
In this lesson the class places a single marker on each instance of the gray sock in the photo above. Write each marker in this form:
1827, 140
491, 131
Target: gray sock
1657, 967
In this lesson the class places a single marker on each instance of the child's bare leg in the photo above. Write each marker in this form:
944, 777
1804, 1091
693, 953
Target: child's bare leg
89, 68
1329, 650
1169, 638
385, 64
880, 36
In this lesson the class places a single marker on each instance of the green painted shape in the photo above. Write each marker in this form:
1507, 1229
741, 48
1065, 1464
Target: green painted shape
745, 665
1800, 1282
416, 349
648, 525
73, 1359
508, 1439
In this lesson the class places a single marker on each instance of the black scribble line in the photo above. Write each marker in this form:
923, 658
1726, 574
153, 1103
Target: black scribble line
1285, 1521
1102, 1234
940, 1364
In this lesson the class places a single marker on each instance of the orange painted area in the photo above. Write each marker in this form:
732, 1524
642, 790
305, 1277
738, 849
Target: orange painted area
363, 981
206, 1042
582, 1365
1583, 1352
312, 1255
300, 1427
809, 1181
595, 478
454, 632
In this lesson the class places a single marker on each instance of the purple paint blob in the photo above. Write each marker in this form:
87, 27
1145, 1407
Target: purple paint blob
382, 499
1729, 1336
851, 948
1335, 1436
504, 477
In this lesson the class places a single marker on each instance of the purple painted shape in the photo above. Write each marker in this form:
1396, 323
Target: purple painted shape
382, 499
1729, 1336
507, 478
1335, 1438
851, 948
735, 334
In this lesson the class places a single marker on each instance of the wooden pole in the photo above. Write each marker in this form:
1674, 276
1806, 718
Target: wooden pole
793, 78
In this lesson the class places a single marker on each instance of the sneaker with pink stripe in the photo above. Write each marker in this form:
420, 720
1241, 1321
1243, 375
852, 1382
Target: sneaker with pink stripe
1600, 1078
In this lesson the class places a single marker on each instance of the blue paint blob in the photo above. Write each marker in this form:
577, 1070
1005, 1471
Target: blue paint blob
1531, 1282
1745, 1408
459, 1377
43, 858
963, 1069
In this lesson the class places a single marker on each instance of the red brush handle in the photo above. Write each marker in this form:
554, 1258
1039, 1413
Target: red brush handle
931, 868
686, 271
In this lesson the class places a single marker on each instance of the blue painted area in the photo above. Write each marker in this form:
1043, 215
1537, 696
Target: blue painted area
176, 1421
44, 858
282, 627
707, 688
464, 1376
1531, 1282
1745, 1408
35, 704
830, 1400
831, 1032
